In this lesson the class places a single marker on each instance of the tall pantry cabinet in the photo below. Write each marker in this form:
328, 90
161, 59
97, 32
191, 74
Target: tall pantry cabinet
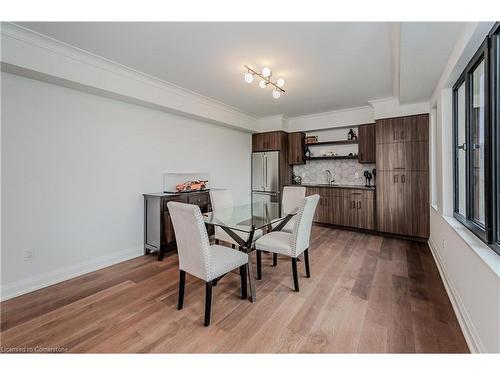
402, 158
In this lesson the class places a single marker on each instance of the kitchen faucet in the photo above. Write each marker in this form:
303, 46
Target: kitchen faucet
329, 179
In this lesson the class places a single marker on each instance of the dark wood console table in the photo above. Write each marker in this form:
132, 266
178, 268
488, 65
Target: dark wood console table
159, 234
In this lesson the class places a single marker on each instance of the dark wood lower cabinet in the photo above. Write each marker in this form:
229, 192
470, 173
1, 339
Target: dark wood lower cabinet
403, 203
346, 207
159, 236
417, 196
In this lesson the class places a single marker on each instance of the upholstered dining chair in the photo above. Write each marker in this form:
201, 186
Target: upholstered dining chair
223, 199
200, 259
291, 199
292, 244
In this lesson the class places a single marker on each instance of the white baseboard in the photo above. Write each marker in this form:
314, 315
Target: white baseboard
30, 284
471, 337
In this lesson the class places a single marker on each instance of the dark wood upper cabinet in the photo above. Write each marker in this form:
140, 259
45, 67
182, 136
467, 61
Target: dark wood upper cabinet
296, 147
270, 141
366, 143
411, 156
403, 129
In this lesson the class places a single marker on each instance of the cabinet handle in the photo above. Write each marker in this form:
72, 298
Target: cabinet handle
395, 136
403, 178
395, 178
353, 204
359, 205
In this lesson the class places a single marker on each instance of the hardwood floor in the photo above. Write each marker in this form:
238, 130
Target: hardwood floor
366, 294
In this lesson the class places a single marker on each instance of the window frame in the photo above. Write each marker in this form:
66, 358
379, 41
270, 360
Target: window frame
495, 132
456, 198
489, 52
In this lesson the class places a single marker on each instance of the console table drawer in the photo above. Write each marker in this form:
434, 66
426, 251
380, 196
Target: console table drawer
200, 199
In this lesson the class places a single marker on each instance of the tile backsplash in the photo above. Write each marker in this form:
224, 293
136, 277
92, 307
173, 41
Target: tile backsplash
345, 172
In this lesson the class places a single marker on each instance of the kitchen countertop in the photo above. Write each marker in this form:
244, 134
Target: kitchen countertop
339, 186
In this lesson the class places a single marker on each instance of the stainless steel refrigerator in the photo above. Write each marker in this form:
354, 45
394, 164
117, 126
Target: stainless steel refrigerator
266, 176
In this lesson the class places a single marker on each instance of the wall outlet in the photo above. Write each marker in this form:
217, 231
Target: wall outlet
443, 244
29, 254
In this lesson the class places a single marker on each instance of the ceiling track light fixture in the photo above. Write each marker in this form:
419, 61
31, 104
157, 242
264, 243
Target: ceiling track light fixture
265, 81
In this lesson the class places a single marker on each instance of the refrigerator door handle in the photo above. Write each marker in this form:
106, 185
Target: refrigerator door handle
262, 171
265, 158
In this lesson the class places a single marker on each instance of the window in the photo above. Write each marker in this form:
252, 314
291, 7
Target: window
476, 133
434, 155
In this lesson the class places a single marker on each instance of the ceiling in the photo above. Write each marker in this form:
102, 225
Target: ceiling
424, 53
327, 66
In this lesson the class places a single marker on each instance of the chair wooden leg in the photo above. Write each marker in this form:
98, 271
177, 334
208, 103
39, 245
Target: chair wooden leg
259, 265
275, 260
182, 285
217, 242
234, 247
208, 302
306, 261
160, 255
295, 275
243, 276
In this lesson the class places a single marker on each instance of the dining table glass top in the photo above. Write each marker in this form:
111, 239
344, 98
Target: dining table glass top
245, 218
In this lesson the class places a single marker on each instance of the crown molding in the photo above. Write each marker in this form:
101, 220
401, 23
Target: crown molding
37, 56
391, 107
332, 119
48, 59
329, 113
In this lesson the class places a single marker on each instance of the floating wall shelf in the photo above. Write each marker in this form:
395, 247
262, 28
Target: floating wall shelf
332, 157
344, 142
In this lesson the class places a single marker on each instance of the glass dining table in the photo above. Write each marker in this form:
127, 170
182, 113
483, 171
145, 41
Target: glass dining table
241, 222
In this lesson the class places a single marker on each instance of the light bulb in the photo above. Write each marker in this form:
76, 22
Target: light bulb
280, 82
262, 84
266, 72
248, 77
276, 94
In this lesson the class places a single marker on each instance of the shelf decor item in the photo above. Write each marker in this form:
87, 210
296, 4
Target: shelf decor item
175, 182
311, 139
296, 179
351, 135
307, 152
190, 186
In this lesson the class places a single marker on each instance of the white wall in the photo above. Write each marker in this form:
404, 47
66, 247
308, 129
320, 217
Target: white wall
470, 270
75, 166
